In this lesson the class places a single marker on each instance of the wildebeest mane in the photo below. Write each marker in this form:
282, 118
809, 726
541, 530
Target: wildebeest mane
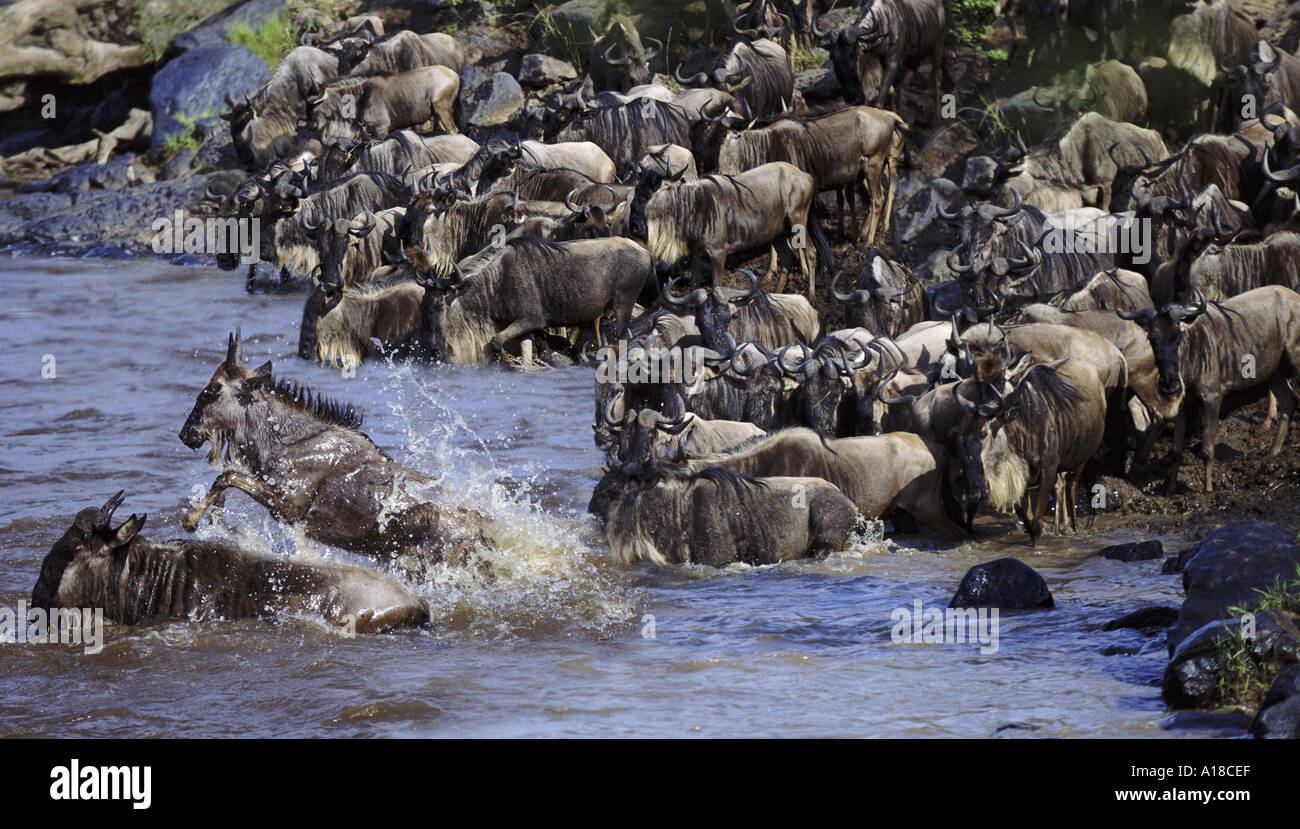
304, 399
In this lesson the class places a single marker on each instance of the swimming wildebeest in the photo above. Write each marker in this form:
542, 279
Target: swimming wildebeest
716, 516
135, 580
305, 460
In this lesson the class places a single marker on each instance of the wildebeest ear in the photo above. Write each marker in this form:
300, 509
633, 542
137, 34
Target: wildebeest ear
264, 370
129, 529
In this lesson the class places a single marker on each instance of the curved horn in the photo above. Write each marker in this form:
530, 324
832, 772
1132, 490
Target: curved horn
1287, 176
694, 80
622, 61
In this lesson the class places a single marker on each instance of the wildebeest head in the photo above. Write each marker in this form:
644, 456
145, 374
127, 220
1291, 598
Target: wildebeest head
90, 543
333, 239
354, 50
713, 309
878, 300
1164, 330
822, 400
984, 416
218, 417
438, 294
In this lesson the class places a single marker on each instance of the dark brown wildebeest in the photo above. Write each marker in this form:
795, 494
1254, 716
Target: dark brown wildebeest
1051, 422
887, 299
714, 216
757, 73
348, 321
136, 580
305, 461
1207, 351
843, 150
265, 125
887, 36
716, 516
526, 285
753, 315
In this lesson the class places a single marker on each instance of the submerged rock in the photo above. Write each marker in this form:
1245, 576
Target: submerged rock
1134, 551
1279, 712
1007, 584
1149, 620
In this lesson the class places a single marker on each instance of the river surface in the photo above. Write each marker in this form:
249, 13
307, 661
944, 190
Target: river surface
552, 638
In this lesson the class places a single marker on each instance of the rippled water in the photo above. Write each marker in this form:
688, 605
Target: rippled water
552, 642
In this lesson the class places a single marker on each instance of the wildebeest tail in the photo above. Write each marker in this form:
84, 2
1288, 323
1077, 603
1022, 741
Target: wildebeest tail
825, 257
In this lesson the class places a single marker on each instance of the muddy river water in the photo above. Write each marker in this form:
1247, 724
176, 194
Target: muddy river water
554, 639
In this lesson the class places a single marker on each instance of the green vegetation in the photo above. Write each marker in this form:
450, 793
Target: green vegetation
160, 21
807, 57
270, 41
187, 140
1245, 678
969, 22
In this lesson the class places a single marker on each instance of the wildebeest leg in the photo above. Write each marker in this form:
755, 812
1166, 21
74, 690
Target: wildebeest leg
1209, 432
1284, 399
516, 329
887, 84
936, 66
1035, 524
839, 211
1176, 456
250, 282
255, 489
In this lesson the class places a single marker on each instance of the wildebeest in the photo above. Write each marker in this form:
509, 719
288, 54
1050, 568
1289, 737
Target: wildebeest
529, 284
1268, 75
888, 36
842, 151
265, 125
303, 458
716, 215
886, 299
1051, 422
376, 106
136, 580
1226, 270
757, 73
753, 315
626, 131
673, 438
345, 322
719, 517
1077, 170
1112, 290
1210, 350
404, 51
879, 473
400, 152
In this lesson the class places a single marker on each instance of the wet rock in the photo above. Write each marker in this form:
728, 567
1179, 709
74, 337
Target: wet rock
1175, 564
186, 259
1149, 620
577, 21
179, 165
1120, 650
194, 86
213, 30
1196, 669
1007, 584
1229, 565
544, 70
817, 83
106, 252
88, 176
917, 221
941, 156
495, 102
217, 152
1279, 711
1134, 551
122, 217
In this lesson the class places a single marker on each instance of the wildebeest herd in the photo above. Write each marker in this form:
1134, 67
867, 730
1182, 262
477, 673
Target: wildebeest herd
1130, 271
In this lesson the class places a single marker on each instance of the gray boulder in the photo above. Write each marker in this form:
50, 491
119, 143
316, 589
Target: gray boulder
495, 102
195, 85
